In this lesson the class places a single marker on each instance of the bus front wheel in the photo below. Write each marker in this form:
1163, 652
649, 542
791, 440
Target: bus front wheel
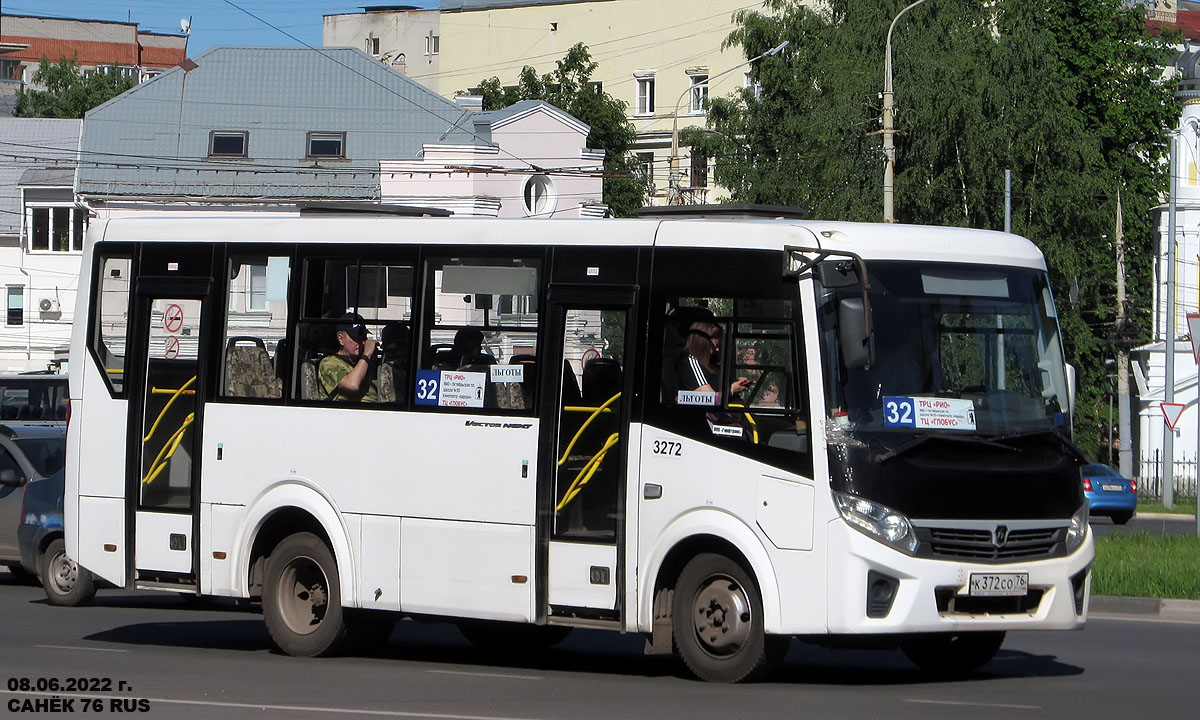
302, 599
952, 653
717, 621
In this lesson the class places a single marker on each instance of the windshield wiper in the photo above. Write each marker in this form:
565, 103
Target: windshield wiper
1044, 433
973, 440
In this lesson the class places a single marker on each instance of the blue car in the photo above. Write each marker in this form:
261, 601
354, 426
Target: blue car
43, 550
1109, 493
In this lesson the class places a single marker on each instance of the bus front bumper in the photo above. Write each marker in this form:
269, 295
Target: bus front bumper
874, 589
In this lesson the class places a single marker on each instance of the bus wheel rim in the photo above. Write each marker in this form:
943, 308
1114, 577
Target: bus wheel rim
303, 595
722, 616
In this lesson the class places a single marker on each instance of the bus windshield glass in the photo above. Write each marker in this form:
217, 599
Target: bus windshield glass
957, 348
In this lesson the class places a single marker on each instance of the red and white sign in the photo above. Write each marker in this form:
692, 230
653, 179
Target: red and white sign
173, 319
1193, 322
590, 354
1172, 411
172, 350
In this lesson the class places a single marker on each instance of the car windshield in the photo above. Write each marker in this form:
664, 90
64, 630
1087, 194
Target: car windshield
958, 348
46, 454
1099, 471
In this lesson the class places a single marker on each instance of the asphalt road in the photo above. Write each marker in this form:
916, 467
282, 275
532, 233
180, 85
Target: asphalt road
1153, 524
182, 662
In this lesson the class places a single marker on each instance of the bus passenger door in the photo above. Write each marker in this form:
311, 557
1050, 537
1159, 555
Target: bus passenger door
584, 449
165, 421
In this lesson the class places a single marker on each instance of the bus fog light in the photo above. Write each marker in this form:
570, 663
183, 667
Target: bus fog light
878, 521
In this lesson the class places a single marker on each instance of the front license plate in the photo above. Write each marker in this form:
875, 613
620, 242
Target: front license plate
1112, 488
999, 584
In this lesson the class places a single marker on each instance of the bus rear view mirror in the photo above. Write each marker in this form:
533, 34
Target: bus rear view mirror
854, 337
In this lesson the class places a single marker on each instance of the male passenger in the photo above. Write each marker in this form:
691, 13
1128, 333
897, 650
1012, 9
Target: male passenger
349, 374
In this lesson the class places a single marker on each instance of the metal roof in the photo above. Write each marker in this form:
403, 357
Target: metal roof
153, 140
468, 5
31, 144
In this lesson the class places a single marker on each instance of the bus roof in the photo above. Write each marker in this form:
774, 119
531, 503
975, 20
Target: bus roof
872, 241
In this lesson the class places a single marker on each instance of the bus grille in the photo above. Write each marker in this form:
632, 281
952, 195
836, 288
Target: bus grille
978, 545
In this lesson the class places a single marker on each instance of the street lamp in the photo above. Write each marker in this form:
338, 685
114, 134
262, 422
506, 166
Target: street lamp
889, 148
675, 197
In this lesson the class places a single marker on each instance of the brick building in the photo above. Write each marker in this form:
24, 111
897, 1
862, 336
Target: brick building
25, 40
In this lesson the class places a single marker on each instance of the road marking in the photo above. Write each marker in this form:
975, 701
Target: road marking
72, 647
264, 706
973, 704
490, 675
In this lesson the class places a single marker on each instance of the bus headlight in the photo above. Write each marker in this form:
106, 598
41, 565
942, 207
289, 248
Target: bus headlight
878, 521
1078, 528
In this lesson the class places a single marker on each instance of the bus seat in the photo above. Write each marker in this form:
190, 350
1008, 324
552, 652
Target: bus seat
309, 388
248, 372
387, 383
601, 380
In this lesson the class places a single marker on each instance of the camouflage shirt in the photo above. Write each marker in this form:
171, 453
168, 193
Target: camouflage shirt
335, 367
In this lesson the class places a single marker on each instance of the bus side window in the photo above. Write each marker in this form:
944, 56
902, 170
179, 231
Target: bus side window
730, 377
111, 319
380, 293
255, 325
481, 344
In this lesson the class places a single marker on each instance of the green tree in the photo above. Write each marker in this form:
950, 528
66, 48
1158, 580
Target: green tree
569, 87
1064, 94
69, 93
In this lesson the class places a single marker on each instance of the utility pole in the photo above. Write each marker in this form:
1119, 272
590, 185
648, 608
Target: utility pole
1125, 452
889, 125
1168, 464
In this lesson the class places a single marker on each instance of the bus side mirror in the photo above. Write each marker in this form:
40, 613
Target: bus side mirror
856, 343
1070, 388
8, 476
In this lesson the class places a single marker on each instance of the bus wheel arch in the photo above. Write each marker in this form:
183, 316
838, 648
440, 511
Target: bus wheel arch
707, 531
271, 531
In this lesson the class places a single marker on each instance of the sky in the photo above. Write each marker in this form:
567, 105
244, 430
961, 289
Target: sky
213, 22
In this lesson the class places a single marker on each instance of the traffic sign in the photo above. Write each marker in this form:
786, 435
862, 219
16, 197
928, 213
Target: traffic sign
1172, 411
1193, 322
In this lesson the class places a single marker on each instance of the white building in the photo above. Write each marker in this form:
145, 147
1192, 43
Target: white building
41, 236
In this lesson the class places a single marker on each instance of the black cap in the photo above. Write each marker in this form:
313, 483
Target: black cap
352, 325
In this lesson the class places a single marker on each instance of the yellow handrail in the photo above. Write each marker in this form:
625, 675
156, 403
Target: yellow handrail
166, 408
586, 472
169, 447
749, 417
583, 427
583, 408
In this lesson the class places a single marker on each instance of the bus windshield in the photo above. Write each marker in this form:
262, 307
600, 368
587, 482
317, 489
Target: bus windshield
958, 349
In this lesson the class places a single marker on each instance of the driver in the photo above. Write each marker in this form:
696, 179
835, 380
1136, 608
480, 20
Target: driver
349, 374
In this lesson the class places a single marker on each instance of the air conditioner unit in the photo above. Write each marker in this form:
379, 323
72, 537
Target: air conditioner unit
48, 304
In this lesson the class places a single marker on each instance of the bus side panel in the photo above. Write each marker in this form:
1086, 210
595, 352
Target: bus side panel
476, 570
379, 550
101, 524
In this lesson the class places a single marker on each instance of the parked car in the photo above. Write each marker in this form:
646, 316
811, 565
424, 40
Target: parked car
28, 453
43, 549
33, 397
1109, 493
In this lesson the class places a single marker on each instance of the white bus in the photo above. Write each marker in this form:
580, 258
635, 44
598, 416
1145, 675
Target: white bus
880, 450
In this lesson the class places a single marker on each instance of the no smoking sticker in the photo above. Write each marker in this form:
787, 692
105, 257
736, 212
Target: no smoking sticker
173, 319
172, 350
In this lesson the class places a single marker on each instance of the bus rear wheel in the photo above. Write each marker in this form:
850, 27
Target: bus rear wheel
952, 653
302, 599
717, 621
